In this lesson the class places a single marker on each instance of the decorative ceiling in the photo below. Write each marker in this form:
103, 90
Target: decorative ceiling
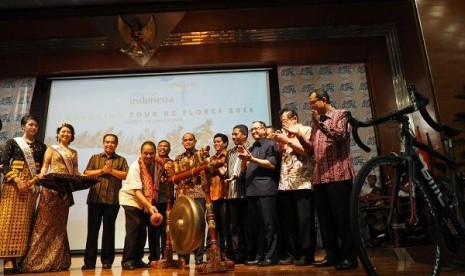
44, 4
56, 37
84, 25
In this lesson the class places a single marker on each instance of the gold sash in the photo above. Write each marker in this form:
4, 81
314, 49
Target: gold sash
66, 158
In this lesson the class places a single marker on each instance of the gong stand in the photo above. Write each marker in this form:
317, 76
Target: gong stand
213, 254
214, 264
173, 174
167, 261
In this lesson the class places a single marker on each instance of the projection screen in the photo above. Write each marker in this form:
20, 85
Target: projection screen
150, 107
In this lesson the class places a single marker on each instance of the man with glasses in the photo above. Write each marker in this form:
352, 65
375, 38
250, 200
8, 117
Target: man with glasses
295, 197
333, 172
260, 163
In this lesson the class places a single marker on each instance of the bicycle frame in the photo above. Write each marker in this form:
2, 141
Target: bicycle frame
438, 207
418, 173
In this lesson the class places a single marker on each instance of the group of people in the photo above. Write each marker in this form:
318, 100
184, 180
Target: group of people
264, 197
35, 236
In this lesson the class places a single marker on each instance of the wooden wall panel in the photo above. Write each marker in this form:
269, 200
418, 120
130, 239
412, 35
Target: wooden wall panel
381, 94
371, 50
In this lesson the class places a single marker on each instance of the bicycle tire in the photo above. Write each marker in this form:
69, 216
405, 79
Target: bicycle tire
391, 257
437, 225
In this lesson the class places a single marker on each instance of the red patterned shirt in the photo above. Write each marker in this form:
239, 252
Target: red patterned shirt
330, 146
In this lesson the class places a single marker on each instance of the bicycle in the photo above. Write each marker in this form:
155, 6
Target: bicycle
391, 232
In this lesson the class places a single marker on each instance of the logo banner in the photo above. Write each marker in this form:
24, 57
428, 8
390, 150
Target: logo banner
15, 102
347, 87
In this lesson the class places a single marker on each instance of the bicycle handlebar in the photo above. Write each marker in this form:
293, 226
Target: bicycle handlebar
419, 103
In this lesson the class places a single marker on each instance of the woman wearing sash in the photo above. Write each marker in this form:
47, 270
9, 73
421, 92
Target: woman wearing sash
49, 246
21, 161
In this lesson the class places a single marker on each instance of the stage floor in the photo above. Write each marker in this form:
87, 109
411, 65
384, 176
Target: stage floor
278, 270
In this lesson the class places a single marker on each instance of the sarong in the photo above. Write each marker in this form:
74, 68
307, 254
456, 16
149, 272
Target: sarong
16, 215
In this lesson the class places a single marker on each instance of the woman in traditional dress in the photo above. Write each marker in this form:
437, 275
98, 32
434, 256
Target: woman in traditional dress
21, 161
49, 246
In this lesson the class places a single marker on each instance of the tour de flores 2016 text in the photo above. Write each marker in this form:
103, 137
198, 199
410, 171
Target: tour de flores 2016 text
190, 112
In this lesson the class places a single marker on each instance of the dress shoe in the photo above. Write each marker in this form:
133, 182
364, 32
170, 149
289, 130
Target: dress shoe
267, 262
346, 264
106, 266
87, 267
239, 260
9, 270
287, 261
253, 262
128, 265
141, 264
304, 261
323, 263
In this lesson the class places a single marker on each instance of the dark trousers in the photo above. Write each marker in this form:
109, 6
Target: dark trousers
263, 221
157, 235
332, 202
241, 247
96, 214
136, 234
297, 219
221, 222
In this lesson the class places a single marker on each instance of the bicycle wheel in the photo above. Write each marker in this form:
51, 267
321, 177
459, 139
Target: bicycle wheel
389, 240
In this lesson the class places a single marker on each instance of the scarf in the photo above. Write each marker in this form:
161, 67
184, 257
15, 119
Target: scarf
149, 186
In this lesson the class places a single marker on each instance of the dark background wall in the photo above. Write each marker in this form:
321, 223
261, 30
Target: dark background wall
82, 40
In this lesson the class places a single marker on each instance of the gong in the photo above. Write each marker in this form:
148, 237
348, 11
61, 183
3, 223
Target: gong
187, 225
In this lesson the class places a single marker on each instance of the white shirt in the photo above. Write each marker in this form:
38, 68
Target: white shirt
366, 189
132, 182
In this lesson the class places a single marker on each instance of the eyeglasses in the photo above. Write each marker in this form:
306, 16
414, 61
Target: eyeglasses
255, 128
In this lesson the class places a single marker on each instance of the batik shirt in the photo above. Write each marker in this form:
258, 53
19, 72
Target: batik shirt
330, 145
191, 186
296, 169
